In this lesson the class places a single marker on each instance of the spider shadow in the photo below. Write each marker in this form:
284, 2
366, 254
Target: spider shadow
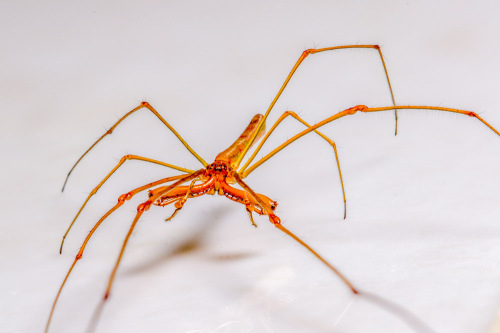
193, 245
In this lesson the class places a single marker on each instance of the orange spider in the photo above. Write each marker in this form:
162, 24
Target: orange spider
225, 172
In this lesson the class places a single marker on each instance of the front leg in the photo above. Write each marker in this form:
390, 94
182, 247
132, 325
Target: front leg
262, 206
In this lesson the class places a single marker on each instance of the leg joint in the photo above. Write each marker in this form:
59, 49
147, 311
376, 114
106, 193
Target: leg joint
357, 108
274, 219
143, 206
291, 113
123, 197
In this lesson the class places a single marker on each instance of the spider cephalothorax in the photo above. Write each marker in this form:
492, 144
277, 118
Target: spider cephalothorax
216, 179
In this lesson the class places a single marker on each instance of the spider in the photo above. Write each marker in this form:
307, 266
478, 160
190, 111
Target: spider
225, 173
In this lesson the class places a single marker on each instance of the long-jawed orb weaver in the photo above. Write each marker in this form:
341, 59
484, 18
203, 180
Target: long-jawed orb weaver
221, 177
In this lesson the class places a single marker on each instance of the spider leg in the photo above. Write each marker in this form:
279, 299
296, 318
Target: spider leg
297, 64
121, 201
244, 174
247, 199
140, 210
394, 308
122, 160
363, 108
389, 306
277, 223
180, 203
108, 132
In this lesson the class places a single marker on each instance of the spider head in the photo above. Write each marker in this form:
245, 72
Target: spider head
218, 168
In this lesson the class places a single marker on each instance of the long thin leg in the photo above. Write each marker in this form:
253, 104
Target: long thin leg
277, 223
122, 160
140, 210
121, 200
391, 307
362, 108
297, 64
98, 311
140, 106
280, 119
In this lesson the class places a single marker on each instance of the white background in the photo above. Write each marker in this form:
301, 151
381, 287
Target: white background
423, 217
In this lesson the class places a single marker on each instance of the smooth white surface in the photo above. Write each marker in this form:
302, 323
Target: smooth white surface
423, 218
